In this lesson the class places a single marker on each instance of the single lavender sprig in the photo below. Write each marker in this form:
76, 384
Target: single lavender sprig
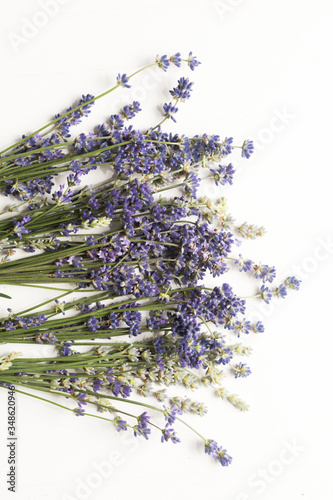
106, 375
47, 151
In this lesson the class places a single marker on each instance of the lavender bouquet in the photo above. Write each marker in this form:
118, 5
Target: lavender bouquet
138, 246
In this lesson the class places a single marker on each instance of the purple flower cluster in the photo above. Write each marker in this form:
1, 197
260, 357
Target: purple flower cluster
142, 429
19, 226
183, 90
259, 271
170, 111
73, 116
223, 175
247, 149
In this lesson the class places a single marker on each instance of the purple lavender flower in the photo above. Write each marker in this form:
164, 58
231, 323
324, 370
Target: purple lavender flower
226, 146
176, 59
226, 356
192, 61
47, 337
74, 179
265, 294
169, 111
9, 326
258, 270
247, 149
122, 80
79, 412
116, 123
223, 175
36, 320
94, 203
64, 349
281, 291
223, 457
211, 447
183, 89
77, 262
120, 425
62, 197
292, 282
169, 435
162, 62
93, 324
241, 370
142, 428
74, 118
191, 184
23, 322
268, 274
171, 413
129, 112
19, 228
217, 452
241, 327
84, 110
258, 327
22, 162
244, 265
97, 384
